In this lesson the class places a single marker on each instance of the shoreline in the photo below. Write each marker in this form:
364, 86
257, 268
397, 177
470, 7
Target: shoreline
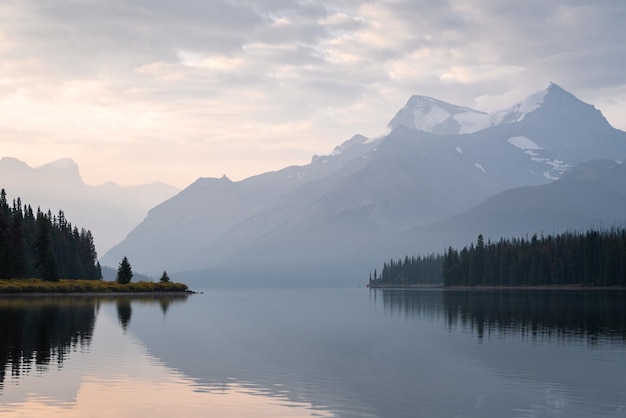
88, 287
98, 294
478, 288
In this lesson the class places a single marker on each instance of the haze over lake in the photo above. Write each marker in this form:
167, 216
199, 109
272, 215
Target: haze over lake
301, 162
317, 352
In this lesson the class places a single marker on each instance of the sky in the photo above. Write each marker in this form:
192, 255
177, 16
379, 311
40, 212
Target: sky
136, 91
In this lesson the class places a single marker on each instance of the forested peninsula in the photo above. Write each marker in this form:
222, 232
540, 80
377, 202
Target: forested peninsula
43, 253
590, 259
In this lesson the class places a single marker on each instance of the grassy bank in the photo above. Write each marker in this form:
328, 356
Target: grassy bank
86, 286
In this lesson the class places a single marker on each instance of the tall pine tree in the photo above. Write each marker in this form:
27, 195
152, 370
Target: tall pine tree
124, 272
46, 260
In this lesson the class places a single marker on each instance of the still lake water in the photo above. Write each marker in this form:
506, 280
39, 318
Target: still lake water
316, 353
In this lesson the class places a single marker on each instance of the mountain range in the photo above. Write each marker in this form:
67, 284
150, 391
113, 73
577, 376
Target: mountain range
108, 210
442, 175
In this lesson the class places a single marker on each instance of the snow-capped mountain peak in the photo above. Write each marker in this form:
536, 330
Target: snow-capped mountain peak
431, 115
441, 118
519, 111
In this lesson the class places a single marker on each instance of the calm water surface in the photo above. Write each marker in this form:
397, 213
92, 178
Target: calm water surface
316, 353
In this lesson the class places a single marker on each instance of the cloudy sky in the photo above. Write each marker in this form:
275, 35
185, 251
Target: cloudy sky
142, 90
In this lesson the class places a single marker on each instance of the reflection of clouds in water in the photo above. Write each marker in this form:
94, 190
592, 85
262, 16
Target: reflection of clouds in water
127, 396
120, 378
319, 353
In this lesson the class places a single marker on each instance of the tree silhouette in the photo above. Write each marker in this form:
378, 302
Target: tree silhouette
46, 260
592, 258
43, 245
124, 272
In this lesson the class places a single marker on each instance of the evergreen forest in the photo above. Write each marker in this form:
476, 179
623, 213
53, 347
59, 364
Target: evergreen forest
43, 245
412, 271
593, 258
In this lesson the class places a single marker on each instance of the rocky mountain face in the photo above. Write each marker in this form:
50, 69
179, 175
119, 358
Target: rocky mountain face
372, 199
108, 210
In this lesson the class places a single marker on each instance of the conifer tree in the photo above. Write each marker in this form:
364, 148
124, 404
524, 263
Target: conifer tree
98, 271
46, 261
124, 272
476, 271
165, 278
451, 268
17, 263
43, 245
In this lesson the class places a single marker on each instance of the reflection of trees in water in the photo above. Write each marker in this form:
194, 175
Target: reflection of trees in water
39, 331
125, 310
412, 304
590, 315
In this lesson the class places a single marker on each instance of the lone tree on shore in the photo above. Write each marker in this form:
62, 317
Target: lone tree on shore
165, 278
124, 272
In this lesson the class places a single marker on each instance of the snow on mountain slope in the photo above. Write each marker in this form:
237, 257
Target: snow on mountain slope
548, 132
519, 111
438, 117
523, 143
442, 118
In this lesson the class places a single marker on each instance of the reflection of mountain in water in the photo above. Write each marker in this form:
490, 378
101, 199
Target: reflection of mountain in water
276, 344
41, 331
335, 350
562, 315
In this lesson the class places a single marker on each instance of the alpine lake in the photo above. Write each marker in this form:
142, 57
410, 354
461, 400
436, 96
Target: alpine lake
316, 353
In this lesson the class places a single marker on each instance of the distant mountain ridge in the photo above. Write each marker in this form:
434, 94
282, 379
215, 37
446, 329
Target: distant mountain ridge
589, 195
209, 207
108, 210
362, 201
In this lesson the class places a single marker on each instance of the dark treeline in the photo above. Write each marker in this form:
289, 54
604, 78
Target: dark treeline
412, 271
594, 258
38, 244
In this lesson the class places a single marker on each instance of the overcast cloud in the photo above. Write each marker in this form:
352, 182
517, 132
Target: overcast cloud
137, 91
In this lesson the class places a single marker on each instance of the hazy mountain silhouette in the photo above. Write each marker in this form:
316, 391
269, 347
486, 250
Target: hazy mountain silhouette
108, 210
385, 197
